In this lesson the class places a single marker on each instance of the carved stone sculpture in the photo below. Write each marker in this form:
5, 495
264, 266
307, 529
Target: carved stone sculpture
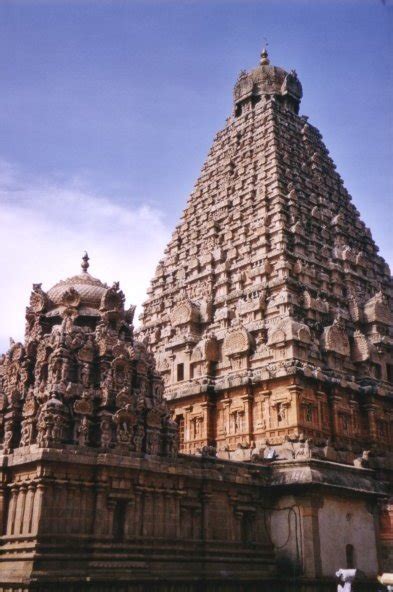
89, 383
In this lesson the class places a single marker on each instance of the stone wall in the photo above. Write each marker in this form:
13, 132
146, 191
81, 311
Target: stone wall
78, 515
344, 522
75, 515
312, 534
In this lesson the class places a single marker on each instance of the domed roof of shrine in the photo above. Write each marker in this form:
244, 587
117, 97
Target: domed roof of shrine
90, 290
267, 80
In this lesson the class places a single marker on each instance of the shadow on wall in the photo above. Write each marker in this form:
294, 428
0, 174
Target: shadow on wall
287, 566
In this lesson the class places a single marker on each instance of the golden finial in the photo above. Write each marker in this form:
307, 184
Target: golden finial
85, 262
264, 55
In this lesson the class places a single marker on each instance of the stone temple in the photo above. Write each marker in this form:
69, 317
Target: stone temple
242, 439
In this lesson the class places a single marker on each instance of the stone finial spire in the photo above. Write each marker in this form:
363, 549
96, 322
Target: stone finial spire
85, 262
264, 57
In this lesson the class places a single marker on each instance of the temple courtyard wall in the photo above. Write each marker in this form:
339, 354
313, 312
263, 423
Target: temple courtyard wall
79, 519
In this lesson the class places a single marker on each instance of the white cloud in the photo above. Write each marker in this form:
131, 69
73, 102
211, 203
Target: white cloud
45, 226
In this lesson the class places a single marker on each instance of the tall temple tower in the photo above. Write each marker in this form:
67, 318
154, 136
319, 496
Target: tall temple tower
270, 325
270, 313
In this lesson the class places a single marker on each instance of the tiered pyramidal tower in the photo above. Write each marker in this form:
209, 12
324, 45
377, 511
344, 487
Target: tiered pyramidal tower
270, 313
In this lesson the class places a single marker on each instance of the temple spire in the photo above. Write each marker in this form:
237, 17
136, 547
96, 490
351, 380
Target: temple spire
85, 262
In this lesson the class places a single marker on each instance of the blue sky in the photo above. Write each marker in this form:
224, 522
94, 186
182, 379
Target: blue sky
108, 109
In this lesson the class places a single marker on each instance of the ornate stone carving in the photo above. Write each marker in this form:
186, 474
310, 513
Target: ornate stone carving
376, 310
335, 338
237, 341
38, 299
289, 330
185, 312
70, 298
82, 380
361, 347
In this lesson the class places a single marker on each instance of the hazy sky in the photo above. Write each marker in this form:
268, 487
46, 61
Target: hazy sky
108, 109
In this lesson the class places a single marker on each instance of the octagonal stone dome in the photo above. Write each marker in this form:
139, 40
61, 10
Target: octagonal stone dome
268, 80
90, 289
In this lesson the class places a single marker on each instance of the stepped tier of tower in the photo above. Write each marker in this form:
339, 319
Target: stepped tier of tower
270, 314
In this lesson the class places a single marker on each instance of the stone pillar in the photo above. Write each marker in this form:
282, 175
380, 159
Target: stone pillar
208, 422
233, 517
311, 543
320, 396
205, 516
249, 420
173, 379
100, 525
3, 505
265, 410
354, 405
138, 513
187, 363
155, 514
335, 401
146, 513
128, 531
74, 505
295, 411
56, 490
38, 499
177, 515
187, 428
111, 503
372, 424
20, 509
12, 510
166, 514
227, 427
88, 511
28, 515
196, 524
83, 509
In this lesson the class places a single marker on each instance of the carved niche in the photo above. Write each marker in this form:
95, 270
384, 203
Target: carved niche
289, 330
281, 404
377, 310
236, 342
206, 350
185, 312
361, 347
335, 338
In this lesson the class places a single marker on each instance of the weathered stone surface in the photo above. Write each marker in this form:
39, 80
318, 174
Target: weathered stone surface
268, 321
81, 378
292, 289
294, 294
